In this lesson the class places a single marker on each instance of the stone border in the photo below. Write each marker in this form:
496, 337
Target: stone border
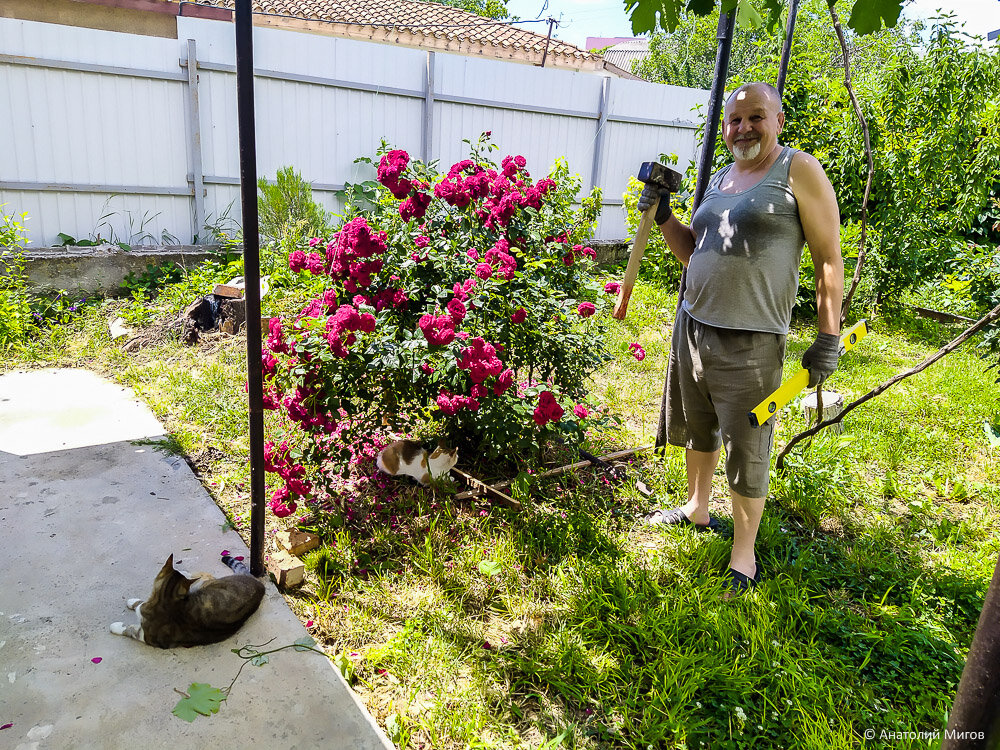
100, 269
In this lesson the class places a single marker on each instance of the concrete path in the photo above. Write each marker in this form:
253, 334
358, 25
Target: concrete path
89, 512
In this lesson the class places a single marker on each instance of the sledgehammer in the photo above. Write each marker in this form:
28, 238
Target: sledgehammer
652, 173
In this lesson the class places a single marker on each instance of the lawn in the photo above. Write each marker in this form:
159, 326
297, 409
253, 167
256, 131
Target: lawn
570, 624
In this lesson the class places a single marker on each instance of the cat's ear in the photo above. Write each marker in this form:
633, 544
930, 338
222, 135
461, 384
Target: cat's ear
168, 567
179, 585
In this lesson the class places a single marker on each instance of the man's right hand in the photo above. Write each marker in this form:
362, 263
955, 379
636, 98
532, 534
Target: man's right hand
649, 196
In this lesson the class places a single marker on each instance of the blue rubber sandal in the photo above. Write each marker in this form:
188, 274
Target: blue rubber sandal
676, 517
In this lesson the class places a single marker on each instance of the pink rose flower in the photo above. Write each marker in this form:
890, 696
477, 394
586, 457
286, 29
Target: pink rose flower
519, 316
637, 351
612, 287
586, 309
580, 411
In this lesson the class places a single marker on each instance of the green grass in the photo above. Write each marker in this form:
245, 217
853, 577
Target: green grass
569, 625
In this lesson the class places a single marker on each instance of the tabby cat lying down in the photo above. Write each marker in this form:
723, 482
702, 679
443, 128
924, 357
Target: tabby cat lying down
194, 610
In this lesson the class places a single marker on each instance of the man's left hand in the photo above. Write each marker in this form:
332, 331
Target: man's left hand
821, 358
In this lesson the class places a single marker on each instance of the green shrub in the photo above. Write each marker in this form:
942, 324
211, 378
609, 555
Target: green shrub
287, 207
465, 310
16, 321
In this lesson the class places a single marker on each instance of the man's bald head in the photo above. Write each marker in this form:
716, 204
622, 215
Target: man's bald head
765, 90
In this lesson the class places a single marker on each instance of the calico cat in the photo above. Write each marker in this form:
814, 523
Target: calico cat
193, 610
407, 457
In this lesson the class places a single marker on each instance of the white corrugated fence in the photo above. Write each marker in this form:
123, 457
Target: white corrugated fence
113, 134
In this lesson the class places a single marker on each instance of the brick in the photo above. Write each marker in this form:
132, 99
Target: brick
224, 290
288, 571
297, 542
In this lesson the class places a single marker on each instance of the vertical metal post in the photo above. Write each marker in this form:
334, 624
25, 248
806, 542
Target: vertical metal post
975, 717
786, 51
194, 129
727, 24
429, 109
251, 274
602, 121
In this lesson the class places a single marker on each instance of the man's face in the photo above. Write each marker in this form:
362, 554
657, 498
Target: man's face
752, 124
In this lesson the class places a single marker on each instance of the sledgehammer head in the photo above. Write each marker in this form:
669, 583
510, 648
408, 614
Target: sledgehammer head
654, 173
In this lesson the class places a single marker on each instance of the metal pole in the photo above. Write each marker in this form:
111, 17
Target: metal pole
786, 51
429, 109
548, 39
727, 24
251, 274
602, 121
194, 125
975, 717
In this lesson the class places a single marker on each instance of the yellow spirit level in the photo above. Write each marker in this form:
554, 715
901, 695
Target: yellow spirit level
787, 390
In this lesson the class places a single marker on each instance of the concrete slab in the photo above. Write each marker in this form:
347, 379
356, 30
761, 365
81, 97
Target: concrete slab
82, 529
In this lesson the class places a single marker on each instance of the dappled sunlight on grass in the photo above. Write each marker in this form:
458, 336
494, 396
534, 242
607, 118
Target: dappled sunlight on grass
472, 625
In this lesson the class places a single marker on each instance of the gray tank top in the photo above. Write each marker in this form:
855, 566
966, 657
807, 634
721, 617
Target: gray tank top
744, 271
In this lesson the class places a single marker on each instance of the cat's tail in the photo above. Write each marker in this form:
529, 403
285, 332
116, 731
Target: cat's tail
236, 565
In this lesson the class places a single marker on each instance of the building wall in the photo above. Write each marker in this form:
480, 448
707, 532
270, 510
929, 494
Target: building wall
92, 16
104, 138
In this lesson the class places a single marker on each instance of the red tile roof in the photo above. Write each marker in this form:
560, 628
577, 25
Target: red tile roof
435, 20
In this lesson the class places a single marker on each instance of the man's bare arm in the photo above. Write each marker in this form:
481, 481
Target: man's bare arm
820, 218
679, 238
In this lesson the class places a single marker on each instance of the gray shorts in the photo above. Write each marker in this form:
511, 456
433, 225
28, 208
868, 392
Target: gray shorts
716, 377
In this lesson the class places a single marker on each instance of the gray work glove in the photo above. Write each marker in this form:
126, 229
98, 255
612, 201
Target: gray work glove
821, 358
648, 197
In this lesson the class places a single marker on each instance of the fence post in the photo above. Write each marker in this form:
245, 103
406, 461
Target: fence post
429, 108
602, 120
194, 131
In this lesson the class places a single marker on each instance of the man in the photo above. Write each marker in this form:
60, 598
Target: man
742, 253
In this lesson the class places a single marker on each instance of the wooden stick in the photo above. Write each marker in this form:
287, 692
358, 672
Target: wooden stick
479, 488
495, 494
634, 261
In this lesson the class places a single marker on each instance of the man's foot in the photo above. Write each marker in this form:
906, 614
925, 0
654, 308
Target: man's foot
741, 582
676, 517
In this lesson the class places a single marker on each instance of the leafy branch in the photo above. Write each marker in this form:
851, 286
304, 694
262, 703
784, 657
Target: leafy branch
202, 699
867, 16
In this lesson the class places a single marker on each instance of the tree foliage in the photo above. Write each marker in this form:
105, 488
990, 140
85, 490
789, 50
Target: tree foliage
867, 16
933, 111
495, 9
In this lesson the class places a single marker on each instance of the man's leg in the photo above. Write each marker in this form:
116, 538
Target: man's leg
747, 512
700, 469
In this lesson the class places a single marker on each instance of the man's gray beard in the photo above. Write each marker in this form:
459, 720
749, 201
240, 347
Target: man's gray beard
746, 153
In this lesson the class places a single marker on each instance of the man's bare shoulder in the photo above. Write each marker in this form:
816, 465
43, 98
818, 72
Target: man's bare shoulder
805, 172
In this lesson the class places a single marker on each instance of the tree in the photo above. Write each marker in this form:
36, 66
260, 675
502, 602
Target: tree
495, 9
867, 16
686, 55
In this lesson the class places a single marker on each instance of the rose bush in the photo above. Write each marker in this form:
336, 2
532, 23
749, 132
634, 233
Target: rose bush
459, 304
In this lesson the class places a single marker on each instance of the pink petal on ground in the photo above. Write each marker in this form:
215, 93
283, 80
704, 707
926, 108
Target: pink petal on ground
225, 553
7, 726
96, 660
239, 557
309, 624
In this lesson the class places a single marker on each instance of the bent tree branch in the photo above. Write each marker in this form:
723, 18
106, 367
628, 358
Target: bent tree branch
871, 166
980, 324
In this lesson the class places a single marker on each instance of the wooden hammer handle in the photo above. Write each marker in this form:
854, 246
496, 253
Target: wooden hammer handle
634, 260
